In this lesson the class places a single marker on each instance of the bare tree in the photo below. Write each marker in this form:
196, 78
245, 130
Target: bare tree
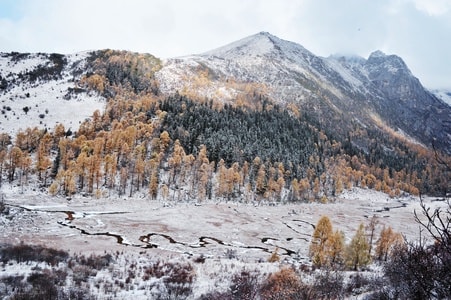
422, 270
437, 223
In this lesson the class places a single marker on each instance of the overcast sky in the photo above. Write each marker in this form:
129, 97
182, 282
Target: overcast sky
417, 30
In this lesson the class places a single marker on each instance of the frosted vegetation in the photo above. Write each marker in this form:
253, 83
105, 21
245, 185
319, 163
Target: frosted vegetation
234, 189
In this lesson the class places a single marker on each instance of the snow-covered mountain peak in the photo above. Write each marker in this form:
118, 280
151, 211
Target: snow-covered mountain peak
350, 59
380, 63
391, 63
334, 88
377, 54
262, 44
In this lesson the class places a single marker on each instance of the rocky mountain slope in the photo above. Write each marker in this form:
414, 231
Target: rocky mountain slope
376, 92
337, 92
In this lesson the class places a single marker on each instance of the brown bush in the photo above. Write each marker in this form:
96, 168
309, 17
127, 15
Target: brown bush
284, 284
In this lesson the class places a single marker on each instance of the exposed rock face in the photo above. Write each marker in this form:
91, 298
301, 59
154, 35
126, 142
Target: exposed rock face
338, 91
406, 104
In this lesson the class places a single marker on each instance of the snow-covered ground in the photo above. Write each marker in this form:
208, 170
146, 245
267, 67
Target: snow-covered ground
232, 237
43, 103
213, 230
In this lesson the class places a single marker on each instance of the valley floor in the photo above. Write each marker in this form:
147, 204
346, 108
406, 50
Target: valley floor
213, 241
251, 232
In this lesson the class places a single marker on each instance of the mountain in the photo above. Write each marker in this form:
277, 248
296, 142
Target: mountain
337, 92
175, 170
280, 115
376, 92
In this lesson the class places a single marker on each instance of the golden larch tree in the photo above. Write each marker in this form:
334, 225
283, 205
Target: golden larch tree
387, 241
357, 254
320, 246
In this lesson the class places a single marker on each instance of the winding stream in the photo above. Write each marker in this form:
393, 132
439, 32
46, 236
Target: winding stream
145, 240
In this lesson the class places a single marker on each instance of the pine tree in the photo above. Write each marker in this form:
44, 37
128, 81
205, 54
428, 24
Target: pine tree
153, 185
14, 159
110, 166
372, 227
164, 141
294, 190
153, 167
222, 179
337, 247
82, 163
260, 182
175, 161
43, 162
201, 173
2, 164
25, 166
205, 175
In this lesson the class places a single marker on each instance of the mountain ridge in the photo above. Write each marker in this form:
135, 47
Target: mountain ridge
279, 105
342, 89
381, 84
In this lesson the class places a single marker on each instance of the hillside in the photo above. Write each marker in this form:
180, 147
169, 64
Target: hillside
261, 119
41, 90
376, 92
219, 175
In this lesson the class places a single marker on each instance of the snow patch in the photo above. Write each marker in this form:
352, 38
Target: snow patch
443, 94
44, 103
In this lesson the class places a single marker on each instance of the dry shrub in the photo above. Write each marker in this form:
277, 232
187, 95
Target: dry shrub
275, 257
245, 285
329, 285
81, 273
358, 284
175, 279
27, 253
285, 284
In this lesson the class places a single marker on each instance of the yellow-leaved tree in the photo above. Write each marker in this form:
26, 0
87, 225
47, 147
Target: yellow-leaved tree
388, 240
356, 254
326, 247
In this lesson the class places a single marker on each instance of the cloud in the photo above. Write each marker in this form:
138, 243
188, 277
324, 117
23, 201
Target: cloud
433, 7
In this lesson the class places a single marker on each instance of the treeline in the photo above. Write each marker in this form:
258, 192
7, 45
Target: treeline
177, 149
